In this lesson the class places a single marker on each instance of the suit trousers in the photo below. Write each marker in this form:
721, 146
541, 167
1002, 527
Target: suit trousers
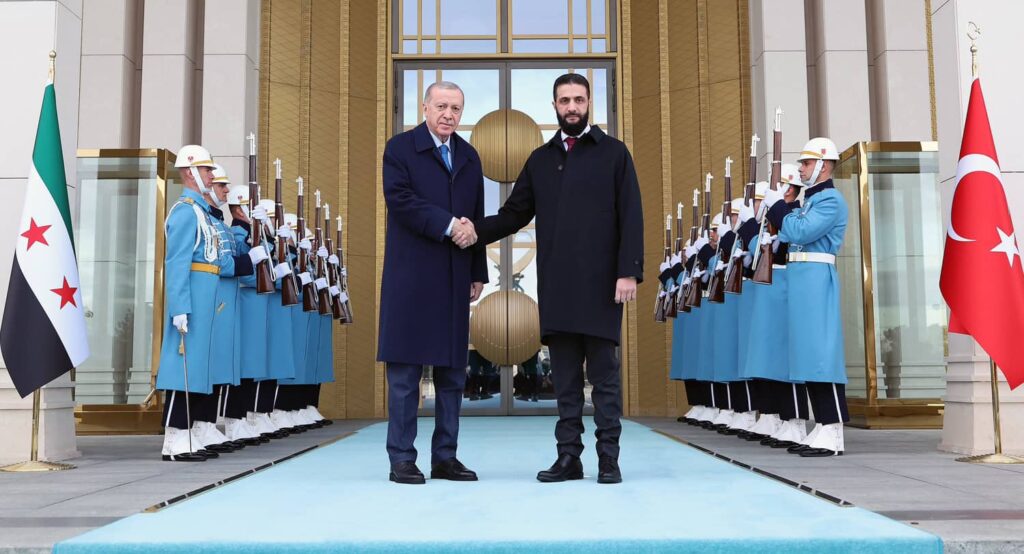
570, 353
403, 402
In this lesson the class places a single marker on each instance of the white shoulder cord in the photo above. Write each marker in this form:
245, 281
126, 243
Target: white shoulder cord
203, 230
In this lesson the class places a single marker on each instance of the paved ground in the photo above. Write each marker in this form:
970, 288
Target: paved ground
974, 508
122, 475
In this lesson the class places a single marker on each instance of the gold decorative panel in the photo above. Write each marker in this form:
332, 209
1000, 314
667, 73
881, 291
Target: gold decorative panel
505, 327
504, 139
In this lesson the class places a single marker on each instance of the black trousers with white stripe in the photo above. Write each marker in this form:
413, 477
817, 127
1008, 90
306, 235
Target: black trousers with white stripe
828, 400
175, 412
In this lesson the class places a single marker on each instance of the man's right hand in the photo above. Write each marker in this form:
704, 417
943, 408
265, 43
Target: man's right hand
180, 322
464, 233
258, 253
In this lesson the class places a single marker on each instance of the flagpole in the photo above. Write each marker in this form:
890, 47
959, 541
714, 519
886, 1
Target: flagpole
973, 32
33, 463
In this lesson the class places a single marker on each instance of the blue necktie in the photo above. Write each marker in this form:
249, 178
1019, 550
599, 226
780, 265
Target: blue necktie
444, 156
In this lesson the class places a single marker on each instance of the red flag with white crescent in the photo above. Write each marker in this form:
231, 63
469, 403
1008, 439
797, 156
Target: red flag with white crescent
982, 278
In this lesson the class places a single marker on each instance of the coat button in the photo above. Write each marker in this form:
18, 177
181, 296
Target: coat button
559, 167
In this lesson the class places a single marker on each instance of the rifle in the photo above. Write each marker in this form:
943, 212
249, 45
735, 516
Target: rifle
693, 298
716, 287
332, 280
264, 276
659, 303
289, 290
734, 277
308, 289
684, 290
763, 256
346, 303
673, 300
323, 295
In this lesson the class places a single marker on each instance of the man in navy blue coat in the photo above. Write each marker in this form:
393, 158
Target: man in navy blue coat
432, 179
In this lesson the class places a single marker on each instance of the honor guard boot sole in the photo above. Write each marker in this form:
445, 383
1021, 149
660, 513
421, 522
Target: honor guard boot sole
186, 457
797, 449
819, 453
784, 444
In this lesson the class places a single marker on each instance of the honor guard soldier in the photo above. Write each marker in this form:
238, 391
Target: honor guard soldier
191, 278
741, 393
707, 259
815, 233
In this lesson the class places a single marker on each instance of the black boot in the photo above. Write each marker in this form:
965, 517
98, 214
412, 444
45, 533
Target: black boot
566, 468
608, 470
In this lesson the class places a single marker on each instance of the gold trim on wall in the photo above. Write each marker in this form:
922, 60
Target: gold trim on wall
931, 67
704, 73
666, 176
631, 369
344, 74
385, 71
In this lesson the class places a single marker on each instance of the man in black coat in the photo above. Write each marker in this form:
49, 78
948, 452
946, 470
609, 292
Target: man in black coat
583, 190
432, 178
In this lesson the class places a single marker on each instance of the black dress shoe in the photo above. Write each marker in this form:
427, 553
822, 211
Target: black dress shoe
785, 444
608, 470
682, 419
752, 437
768, 441
327, 421
221, 448
238, 444
729, 431
406, 473
819, 453
254, 441
566, 468
452, 470
185, 457
797, 449
208, 453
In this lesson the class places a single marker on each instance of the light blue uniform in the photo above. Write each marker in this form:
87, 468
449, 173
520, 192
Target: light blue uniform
676, 363
764, 356
280, 338
252, 313
724, 342
225, 352
705, 348
306, 340
190, 287
816, 337
325, 357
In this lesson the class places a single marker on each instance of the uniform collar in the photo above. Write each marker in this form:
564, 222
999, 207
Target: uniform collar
811, 191
196, 197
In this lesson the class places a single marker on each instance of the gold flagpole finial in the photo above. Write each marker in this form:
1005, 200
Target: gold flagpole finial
973, 32
53, 63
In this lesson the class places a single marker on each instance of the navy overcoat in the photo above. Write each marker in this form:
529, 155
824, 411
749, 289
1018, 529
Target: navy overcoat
425, 287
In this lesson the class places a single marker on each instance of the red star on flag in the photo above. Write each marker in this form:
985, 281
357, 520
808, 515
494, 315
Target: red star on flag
67, 294
35, 233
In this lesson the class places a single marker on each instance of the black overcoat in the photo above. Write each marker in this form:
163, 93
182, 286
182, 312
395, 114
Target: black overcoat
589, 231
424, 299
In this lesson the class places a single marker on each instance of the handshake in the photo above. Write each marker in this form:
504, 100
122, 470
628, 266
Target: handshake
463, 233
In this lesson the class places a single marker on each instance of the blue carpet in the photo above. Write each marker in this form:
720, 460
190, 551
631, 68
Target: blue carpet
337, 498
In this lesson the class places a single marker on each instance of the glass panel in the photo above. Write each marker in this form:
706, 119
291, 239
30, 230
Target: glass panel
409, 17
429, 47
469, 46
849, 265
598, 46
116, 245
906, 246
429, 18
599, 90
480, 86
579, 45
468, 17
409, 47
540, 46
540, 17
597, 11
412, 98
579, 17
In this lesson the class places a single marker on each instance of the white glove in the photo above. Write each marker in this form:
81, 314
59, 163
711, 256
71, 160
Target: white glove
723, 229
663, 267
258, 253
305, 245
701, 243
305, 278
322, 252
697, 274
687, 281
675, 260
690, 251
180, 322
766, 238
738, 254
344, 272
771, 197
333, 259
344, 297
335, 291
721, 265
746, 213
259, 213
281, 270
284, 232
321, 283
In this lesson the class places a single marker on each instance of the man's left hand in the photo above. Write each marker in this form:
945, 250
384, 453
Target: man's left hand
474, 291
625, 290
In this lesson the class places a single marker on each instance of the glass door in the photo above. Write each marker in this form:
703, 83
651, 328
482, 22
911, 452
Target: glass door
508, 371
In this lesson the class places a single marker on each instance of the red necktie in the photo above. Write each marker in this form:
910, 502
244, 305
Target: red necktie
569, 143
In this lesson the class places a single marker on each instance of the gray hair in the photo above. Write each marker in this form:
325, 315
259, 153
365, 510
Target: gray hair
446, 85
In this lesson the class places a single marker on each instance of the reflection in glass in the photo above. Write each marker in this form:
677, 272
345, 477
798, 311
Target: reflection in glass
848, 265
540, 17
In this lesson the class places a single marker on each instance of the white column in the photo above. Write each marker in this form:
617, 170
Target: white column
898, 50
779, 77
111, 64
231, 82
839, 58
28, 31
169, 63
967, 426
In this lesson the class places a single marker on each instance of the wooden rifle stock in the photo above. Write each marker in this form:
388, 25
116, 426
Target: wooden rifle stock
693, 298
673, 301
716, 287
763, 260
323, 305
346, 305
264, 275
734, 275
659, 302
684, 291
289, 290
309, 289
332, 279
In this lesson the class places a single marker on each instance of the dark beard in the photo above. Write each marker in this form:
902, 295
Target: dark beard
573, 129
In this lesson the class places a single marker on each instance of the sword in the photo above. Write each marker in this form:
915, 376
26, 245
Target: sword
188, 411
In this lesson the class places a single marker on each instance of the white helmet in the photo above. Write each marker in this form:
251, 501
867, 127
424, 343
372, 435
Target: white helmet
737, 203
220, 176
716, 221
819, 148
291, 220
759, 189
193, 155
268, 205
238, 195
790, 175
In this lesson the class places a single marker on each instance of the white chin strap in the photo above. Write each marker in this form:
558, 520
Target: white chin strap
199, 182
814, 176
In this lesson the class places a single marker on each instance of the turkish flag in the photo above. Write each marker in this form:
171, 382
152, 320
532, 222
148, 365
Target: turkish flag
982, 279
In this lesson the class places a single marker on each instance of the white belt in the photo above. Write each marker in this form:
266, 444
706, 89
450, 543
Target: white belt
819, 257
778, 266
